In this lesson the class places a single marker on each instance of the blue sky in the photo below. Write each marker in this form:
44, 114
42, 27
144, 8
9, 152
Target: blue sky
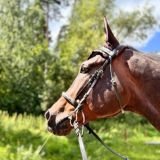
153, 45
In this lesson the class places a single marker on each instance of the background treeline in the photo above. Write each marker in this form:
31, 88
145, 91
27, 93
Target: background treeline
32, 74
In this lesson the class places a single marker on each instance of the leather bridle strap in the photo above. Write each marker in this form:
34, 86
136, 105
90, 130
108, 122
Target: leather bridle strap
92, 82
70, 100
80, 140
105, 145
114, 84
81, 143
113, 54
95, 78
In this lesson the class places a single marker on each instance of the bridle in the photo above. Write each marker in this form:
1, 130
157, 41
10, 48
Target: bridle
90, 84
96, 76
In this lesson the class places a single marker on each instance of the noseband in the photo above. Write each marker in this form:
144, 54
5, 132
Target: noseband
91, 83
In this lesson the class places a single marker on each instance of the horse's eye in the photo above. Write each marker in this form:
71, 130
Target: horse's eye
84, 69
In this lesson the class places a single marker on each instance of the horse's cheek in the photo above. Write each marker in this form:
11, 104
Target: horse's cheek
101, 103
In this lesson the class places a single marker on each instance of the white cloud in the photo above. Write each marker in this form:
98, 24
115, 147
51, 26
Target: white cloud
131, 5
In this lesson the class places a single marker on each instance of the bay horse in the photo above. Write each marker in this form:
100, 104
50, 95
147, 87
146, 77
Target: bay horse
136, 87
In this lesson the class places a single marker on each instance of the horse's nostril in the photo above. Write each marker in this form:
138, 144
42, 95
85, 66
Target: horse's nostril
47, 115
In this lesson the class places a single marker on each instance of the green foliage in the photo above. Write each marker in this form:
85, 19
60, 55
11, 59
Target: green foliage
84, 32
28, 71
23, 56
22, 138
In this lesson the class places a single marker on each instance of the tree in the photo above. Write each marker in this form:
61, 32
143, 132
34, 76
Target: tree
23, 53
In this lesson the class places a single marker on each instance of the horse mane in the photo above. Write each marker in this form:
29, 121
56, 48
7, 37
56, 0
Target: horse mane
153, 56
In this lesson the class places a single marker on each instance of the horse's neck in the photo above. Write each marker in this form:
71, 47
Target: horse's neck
145, 88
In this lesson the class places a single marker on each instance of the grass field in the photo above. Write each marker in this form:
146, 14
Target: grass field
21, 138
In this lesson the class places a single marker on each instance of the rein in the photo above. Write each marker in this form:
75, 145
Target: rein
78, 105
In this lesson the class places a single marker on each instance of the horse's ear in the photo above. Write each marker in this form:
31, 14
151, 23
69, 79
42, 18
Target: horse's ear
111, 41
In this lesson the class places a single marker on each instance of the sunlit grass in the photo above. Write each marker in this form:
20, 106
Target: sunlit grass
23, 135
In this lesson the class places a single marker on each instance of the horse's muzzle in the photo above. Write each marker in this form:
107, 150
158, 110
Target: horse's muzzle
58, 124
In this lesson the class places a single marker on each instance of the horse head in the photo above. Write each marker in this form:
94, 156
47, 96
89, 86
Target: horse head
92, 90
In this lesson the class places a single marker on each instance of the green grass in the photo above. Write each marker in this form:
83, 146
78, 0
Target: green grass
21, 138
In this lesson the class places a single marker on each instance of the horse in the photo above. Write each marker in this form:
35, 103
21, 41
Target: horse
114, 79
